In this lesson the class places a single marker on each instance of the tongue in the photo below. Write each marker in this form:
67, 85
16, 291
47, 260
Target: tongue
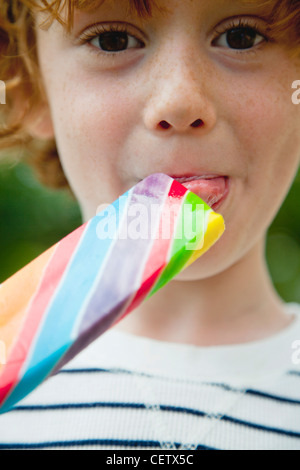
210, 191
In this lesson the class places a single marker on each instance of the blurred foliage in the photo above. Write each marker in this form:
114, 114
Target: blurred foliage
283, 246
33, 218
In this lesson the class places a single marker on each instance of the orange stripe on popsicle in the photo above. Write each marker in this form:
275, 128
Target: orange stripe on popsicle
16, 294
51, 277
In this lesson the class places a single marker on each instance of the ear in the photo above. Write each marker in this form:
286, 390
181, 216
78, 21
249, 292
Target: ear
39, 123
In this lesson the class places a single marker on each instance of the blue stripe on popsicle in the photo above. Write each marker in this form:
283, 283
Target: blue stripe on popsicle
66, 304
109, 295
109, 226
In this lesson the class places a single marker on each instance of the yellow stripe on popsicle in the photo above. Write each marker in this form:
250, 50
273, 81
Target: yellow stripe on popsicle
215, 229
16, 293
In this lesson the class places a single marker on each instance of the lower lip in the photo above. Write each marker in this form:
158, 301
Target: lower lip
213, 191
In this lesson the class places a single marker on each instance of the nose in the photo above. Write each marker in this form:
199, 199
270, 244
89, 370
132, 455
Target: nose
179, 100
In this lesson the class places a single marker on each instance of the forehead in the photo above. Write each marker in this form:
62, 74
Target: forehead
138, 4
66, 11
146, 7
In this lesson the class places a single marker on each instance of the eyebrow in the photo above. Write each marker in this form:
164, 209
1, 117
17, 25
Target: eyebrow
144, 8
141, 6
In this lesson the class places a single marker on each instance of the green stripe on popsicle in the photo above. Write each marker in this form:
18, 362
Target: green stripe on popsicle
193, 211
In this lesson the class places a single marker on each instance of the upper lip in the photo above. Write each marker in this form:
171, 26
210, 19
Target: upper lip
190, 177
184, 178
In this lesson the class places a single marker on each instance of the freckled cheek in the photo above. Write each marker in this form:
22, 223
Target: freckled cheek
262, 118
92, 129
263, 123
102, 117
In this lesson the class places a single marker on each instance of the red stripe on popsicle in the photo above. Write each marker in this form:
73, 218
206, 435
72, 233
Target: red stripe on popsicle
158, 257
52, 276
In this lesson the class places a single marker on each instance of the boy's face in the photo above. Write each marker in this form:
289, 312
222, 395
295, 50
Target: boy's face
122, 107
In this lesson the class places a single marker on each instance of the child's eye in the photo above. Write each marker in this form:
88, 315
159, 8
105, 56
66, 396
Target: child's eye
115, 41
111, 39
239, 37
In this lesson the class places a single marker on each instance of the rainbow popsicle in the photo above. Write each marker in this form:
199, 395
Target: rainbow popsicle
71, 294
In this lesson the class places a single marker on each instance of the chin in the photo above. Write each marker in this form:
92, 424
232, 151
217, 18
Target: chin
199, 271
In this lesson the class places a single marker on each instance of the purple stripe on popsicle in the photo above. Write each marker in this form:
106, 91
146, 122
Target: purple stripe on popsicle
108, 293
99, 313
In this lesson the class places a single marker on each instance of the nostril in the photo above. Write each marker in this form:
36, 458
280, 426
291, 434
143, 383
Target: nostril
164, 124
197, 123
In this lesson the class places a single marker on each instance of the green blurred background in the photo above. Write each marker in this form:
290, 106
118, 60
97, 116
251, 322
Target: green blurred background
33, 218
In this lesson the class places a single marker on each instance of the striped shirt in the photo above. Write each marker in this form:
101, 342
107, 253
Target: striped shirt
127, 392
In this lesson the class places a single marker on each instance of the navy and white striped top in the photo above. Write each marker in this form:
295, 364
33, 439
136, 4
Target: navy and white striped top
128, 392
